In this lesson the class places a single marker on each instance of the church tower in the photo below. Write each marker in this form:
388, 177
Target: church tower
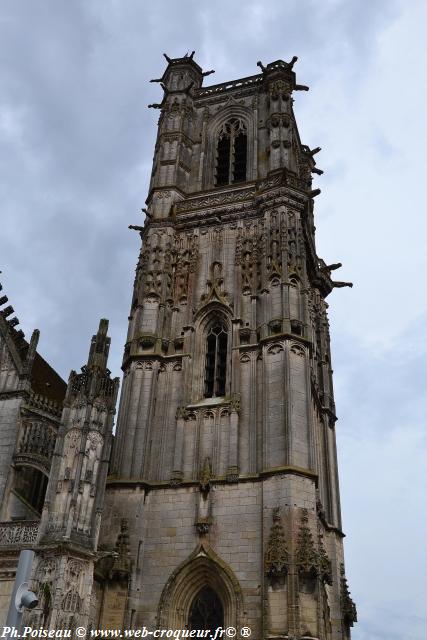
224, 477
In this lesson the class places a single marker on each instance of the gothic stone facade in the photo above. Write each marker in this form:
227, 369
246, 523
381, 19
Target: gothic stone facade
222, 502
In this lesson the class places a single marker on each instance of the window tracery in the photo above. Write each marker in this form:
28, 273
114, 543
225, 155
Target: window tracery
216, 360
231, 153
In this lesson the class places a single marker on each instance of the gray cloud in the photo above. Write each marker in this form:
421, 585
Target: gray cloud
76, 143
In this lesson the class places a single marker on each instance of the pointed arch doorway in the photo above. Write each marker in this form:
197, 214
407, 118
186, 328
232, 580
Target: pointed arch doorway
202, 593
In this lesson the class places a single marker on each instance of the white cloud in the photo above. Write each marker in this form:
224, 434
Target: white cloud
76, 144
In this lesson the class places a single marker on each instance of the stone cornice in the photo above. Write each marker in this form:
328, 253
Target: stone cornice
58, 548
134, 483
30, 409
211, 199
17, 393
286, 336
155, 355
231, 213
284, 183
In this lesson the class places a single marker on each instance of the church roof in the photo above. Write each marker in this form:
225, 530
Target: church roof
44, 380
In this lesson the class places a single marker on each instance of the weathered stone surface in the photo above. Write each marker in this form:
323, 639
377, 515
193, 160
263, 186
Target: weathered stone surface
223, 472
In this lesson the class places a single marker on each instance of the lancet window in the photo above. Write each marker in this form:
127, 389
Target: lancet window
216, 360
232, 151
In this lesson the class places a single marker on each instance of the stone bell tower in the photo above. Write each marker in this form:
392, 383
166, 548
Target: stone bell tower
224, 462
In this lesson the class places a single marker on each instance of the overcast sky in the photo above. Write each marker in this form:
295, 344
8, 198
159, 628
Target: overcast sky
76, 144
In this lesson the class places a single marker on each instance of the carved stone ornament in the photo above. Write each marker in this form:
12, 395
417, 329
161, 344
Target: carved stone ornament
280, 88
176, 478
18, 534
214, 200
181, 413
348, 607
276, 556
232, 474
121, 568
36, 442
205, 476
215, 286
306, 555
203, 526
324, 563
235, 402
71, 602
270, 183
74, 570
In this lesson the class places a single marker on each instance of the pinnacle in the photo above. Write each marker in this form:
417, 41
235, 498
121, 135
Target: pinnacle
100, 346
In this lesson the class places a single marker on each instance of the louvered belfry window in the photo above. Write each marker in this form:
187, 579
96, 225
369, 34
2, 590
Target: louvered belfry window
216, 361
232, 151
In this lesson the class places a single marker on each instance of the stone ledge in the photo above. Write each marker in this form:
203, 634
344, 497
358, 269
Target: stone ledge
219, 480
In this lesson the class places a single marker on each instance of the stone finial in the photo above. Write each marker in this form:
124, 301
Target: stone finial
33, 346
95, 378
100, 346
276, 555
306, 556
121, 568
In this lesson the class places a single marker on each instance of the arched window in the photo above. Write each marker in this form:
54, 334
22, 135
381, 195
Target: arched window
206, 611
216, 360
231, 159
31, 485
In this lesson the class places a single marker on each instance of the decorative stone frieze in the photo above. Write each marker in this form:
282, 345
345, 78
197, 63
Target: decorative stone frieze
19, 534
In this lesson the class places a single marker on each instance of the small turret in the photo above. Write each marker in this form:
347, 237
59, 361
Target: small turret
173, 159
180, 73
75, 495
